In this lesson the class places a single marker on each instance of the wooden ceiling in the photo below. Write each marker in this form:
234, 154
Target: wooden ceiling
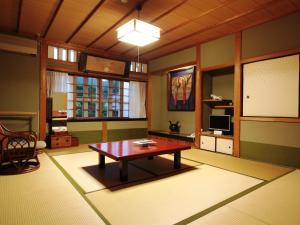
93, 23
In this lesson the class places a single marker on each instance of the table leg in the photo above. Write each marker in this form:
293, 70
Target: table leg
177, 159
101, 161
123, 170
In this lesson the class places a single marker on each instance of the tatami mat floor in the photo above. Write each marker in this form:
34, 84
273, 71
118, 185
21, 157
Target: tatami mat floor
43, 197
209, 189
275, 203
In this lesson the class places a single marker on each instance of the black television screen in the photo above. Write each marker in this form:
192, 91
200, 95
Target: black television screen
219, 122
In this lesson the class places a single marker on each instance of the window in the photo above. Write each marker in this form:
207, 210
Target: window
138, 67
93, 98
83, 97
52, 52
111, 98
62, 54
72, 56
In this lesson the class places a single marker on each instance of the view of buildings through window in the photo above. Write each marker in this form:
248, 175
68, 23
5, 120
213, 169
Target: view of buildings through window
93, 97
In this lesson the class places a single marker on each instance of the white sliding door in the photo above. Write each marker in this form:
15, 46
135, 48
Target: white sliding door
271, 87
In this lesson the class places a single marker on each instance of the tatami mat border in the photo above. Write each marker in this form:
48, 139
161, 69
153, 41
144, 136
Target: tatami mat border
79, 189
225, 202
185, 221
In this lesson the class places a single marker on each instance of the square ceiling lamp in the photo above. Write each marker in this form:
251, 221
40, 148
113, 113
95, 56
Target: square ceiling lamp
137, 32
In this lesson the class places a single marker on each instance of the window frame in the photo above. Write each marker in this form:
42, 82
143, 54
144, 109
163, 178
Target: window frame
100, 116
68, 51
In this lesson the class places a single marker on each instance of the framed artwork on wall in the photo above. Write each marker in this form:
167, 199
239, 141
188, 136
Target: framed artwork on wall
181, 89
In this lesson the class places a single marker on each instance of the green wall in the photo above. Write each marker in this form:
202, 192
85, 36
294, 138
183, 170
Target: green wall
156, 109
278, 35
180, 57
91, 132
264, 141
19, 86
271, 141
160, 113
218, 52
223, 48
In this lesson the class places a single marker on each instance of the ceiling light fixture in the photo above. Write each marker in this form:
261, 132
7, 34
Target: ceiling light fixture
137, 32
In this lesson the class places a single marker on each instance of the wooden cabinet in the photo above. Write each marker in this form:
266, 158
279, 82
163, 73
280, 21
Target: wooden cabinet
208, 143
224, 146
60, 141
217, 143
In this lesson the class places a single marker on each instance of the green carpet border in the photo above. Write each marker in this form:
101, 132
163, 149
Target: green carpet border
229, 200
185, 221
291, 169
79, 189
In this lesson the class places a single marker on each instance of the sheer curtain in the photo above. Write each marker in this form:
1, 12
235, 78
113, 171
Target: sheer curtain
56, 82
137, 99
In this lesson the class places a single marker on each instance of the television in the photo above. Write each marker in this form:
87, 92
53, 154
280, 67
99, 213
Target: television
220, 123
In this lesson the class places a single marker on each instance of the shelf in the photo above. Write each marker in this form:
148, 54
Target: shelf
219, 104
167, 134
18, 114
209, 100
223, 107
211, 134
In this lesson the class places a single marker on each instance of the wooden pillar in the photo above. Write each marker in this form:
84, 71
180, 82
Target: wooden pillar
121, 98
43, 72
237, 94
149, 101
198, 98
104, 131
100, 98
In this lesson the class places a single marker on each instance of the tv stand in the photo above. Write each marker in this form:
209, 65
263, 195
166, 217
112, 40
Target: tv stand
216, 143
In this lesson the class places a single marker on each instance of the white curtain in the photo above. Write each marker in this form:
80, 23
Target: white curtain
56, 82
137, 99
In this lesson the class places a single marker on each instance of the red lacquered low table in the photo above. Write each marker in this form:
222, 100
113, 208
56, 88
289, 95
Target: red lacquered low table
124, 151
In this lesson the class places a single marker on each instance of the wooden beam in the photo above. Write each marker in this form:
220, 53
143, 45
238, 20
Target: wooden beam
19, 16
218, 36
237, 94
52, 18
91, 51
195, 19
104, 131
271, 55
271, 119
228, 20
13, 33
100, 3
198, 98
74, 97
100, 97
184, 23
121, 98
149, 102
43, 73
17, 113
218, 67
151, 21
192, 63
115, 24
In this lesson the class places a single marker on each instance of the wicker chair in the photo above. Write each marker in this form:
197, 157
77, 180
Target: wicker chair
18, 153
